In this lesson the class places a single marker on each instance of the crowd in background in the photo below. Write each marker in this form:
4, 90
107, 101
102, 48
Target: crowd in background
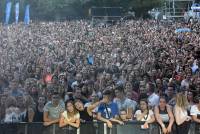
71, 72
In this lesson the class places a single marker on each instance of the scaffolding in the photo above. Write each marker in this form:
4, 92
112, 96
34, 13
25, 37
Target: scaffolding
176, 8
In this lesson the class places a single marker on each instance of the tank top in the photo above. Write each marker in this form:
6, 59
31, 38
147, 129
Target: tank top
85, 116
164, 114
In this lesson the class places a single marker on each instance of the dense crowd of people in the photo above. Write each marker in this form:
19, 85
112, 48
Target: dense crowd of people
71, 72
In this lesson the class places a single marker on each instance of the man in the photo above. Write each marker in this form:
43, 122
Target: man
153, 98
170, 95
15, 91
53, 109
108, 112
123, 102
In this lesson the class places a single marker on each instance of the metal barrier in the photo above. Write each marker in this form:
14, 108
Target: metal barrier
86, 128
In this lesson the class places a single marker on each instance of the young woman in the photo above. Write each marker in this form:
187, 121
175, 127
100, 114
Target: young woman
70, 116
38, 116
195, 111
181, 114
144, 114
164, 115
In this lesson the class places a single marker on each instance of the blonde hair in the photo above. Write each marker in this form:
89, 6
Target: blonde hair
181, 101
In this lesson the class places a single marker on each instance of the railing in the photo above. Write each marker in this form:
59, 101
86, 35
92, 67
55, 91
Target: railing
87, 128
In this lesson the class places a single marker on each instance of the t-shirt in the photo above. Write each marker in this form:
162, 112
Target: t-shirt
12, 115
195, 111
71, 119
125, 104
54, 112
146, 117
108, 110
153, 100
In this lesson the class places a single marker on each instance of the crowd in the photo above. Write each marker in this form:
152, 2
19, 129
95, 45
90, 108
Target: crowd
70, 72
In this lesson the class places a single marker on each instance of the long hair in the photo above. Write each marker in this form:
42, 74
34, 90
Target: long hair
181, 101
75, 110
11, 101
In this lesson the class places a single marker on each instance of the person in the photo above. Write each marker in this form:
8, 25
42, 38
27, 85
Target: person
153, 98
38, 115
108, 112
181, 115
164, 115
195, 111
124, 103
144, 114
86, 113
52, 110
70, 116
12, 114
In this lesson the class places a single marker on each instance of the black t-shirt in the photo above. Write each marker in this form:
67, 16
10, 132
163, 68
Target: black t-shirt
38, 116
85, 116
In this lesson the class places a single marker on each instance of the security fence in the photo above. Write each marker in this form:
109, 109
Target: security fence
87, 128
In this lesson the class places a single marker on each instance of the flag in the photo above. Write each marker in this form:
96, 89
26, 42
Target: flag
16, 12
27, 15
8, 11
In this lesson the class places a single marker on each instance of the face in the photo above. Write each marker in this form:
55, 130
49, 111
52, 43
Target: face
123, 115
41, 100
79, 106
70, 107
3, 100
118, 93
170, 91
162, 103
20, 101
190, 96
55, 99
143, 105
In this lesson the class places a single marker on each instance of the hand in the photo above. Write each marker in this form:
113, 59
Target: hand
47, 123
109, 124
121, 122
164, 130
169, 129
188, 118
146, 125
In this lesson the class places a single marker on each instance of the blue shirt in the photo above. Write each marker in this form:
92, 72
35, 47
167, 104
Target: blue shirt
111, 112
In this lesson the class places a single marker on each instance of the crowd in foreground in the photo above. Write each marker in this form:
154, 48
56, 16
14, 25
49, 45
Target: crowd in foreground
70, 72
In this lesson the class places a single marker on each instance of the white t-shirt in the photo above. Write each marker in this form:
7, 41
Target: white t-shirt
146, 117
153, 100
194, 110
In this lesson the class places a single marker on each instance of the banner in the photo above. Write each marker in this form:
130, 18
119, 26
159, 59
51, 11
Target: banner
8, 11
17, 12
27, 15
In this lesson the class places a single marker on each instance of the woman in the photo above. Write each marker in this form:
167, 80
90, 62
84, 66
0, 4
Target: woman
38, 116
181, 114
70, 116
164, 115
87, 112
190, 97
12, 114
144, 114
195, 111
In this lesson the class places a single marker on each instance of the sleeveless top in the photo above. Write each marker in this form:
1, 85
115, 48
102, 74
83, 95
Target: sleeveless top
85, 116
71, 119
164, 114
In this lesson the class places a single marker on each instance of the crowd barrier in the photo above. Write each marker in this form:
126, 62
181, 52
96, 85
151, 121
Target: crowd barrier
86, 128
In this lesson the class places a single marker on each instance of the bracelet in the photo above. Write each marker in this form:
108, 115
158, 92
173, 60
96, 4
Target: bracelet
162, 125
